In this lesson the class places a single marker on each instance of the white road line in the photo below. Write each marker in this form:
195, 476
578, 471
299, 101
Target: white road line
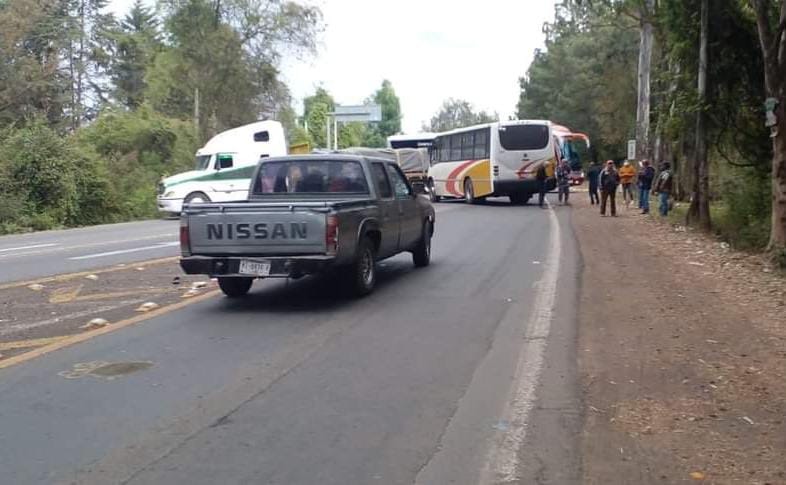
33, 246
504, 455
125, 251
60, 249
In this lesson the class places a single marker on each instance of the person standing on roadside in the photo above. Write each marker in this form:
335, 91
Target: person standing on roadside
609, 180
663, 187
646, 175
593, 177
627, 173
563, 181
540, 177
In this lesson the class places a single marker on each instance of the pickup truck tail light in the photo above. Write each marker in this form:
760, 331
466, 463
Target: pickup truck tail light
331, 235
185, 240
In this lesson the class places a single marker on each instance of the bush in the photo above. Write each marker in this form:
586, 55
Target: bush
743, 219
47, 181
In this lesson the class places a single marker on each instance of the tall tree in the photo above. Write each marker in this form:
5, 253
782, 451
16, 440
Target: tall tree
386, 97
771, 23
136, 42
457, 113
699, 211
88, 27
315, 113
31, 48
646, 12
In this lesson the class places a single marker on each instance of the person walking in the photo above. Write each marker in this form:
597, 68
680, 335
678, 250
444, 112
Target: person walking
663, 187
609, 180
593, 177
646, 175
627, 173
563, 182
540, 177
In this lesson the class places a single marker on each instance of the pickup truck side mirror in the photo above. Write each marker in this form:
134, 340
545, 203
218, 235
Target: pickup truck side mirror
419, 188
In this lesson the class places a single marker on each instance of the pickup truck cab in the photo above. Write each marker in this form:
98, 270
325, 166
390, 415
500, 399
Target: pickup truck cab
309, 214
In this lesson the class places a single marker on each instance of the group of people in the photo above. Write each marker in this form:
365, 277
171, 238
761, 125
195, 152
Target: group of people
609, 178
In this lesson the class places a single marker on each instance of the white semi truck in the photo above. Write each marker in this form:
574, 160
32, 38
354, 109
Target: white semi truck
223, 167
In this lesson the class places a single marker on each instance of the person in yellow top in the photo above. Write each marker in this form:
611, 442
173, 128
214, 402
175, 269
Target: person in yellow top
627, 174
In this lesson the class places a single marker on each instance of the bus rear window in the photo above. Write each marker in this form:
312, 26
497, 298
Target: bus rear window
524, 137
310, 177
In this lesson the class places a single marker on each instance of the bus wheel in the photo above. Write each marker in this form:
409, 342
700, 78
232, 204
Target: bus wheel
432, 191
469, 192
519, 199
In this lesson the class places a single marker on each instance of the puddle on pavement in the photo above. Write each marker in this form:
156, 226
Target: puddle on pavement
105, 370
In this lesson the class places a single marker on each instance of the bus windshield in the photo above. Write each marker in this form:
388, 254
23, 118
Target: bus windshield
523, 137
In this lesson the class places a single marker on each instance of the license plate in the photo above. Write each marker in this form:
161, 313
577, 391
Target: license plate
254, 268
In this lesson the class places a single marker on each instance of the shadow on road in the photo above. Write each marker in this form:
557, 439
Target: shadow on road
317, 293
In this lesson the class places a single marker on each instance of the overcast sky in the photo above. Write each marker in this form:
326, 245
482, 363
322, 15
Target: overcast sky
429, 49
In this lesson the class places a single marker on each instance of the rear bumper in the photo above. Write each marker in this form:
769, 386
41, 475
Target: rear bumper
280, 267
529, 186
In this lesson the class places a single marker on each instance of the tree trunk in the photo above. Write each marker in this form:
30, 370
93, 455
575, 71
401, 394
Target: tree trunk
645, 66
773, 47
699, 212
778, 232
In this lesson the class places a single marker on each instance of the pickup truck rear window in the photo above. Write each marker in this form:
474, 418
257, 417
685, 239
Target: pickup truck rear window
310, 177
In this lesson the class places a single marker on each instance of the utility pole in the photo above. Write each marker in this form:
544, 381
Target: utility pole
196, 111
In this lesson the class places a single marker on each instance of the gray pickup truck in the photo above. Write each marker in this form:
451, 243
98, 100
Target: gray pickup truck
309, 214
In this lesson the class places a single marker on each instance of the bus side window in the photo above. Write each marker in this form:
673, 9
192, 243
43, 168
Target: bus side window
481, 144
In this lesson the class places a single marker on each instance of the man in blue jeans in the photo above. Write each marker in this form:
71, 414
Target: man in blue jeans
663, 188
646, 174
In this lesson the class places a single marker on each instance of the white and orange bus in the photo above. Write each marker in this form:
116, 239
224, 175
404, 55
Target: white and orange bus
493, 159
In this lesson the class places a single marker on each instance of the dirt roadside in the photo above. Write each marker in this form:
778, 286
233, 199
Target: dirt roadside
682, 355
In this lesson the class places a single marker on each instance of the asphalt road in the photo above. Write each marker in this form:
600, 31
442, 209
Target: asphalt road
449, 374
33, 255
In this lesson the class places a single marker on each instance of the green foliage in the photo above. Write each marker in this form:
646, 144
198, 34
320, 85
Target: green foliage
48, 181
94, 111
391, 110
743, 217
136, 43
457, 113
139, 148
586, 78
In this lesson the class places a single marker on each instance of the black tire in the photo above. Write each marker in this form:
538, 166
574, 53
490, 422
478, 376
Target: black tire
421, 255
469, 192
519, 199
235, 286
432, 191
362, 274
196, 197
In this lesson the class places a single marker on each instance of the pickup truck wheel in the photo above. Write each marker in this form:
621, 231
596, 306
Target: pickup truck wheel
469, 192
363, 272
421, 256
235, 287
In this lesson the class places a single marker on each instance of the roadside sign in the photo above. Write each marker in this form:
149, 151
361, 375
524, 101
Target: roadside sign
365, 113
631, 149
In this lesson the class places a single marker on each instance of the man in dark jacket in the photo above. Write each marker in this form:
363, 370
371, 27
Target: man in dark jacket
593, 174
646, 174
541, 178
609, 180
663, 188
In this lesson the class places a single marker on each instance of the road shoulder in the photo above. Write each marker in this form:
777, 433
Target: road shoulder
682, 356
